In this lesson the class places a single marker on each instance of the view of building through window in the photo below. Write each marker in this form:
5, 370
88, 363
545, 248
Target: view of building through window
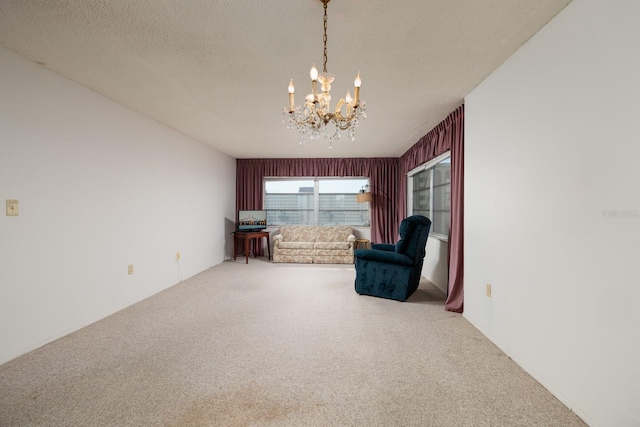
315, 201
430, 194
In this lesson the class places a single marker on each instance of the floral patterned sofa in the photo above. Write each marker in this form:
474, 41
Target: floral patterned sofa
314, 244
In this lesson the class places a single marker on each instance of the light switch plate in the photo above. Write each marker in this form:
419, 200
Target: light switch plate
12, 208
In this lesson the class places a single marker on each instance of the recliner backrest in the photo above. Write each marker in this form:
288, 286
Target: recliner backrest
414, 231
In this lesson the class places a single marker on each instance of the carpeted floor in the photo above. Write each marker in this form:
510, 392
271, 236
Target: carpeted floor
275, 344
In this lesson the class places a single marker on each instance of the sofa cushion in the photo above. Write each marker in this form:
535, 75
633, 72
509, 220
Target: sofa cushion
333, 234
295, 245
327, 252
331, 245
299, 234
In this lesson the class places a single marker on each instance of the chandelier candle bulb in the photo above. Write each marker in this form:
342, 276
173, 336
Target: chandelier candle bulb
314, 79
292, 89
356, 88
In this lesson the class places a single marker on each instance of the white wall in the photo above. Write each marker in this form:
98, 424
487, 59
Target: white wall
436, 263
552, 142
100, 187
362, 232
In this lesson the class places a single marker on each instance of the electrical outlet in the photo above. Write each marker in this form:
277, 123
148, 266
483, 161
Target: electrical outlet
12, 208
489, 290
177, 256
130, 269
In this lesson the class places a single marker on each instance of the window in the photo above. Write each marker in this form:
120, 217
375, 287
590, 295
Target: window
429, 193
315, 201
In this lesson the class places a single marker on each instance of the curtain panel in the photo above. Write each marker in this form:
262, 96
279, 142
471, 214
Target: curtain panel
382, 174
448, 135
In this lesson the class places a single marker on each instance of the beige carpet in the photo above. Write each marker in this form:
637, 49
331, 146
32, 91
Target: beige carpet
275, 344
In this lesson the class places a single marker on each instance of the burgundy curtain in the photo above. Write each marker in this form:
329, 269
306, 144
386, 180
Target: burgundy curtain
382, 174
455, 297
447, 135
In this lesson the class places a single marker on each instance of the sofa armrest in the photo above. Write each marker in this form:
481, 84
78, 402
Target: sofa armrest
384, 256
384, 247
277, 239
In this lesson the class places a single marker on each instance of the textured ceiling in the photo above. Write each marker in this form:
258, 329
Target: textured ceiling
218, 70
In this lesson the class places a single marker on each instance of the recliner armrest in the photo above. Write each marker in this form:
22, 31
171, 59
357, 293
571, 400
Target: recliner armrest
384, 256
384, 247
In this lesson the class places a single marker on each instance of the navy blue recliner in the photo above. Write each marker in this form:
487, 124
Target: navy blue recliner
393, 271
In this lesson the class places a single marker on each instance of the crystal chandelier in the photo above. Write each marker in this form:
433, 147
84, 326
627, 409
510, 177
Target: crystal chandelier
315, 116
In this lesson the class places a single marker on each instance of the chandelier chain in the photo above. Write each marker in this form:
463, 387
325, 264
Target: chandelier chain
324, 39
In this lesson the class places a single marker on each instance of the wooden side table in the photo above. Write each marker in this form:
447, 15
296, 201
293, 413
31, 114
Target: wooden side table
247, 236
364, 242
